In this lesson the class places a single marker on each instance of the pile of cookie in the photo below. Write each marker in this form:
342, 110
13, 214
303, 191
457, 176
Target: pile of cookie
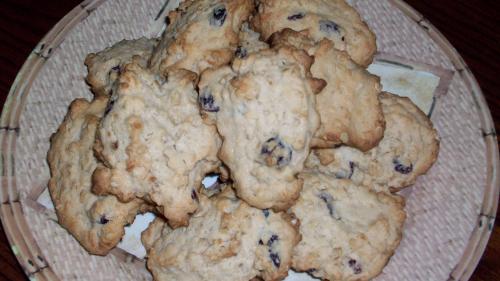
274, 98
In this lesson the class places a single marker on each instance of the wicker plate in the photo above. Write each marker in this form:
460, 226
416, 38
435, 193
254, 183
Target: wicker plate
450, 210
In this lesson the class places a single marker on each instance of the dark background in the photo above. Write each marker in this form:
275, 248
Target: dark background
472, 26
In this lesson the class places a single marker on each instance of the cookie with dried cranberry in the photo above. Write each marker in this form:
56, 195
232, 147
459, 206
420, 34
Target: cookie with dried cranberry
104, 66
264, 109
348, 106
410, 145
409, 149
97, 222
154, 143
349, 232
201, 34
225, 240
331, 19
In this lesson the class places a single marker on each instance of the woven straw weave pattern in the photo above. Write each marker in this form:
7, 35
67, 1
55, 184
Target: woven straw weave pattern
397, 34
60, 81
442, 207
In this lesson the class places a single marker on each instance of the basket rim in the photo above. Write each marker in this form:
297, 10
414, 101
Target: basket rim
22, 242
27, 250
481, 234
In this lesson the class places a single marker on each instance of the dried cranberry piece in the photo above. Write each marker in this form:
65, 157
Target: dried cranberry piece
207, 101
276, 259
241, 52
266, 212
276, 152
328, 199
273, 239
355, 266
103, 220
328, 26
297, 16
218, 17
402, 168
194, 195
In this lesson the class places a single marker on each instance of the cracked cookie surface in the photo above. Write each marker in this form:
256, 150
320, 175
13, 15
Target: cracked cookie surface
331, 19
154, 143
225, 234
264, 109
215, 22
349, 106
409, 149
104, 67
97, 222
349, 232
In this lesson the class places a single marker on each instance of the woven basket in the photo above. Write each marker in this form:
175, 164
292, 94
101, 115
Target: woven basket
451, 210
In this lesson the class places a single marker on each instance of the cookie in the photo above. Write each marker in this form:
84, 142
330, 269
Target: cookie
410, 145
409, 148
201, 34
154, 143
348, 231
264, 109
97, 222
348, 106
104, 67
249, 42
225, 240
331, 19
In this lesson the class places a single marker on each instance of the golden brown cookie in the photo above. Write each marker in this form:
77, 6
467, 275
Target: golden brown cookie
409, 149
225, 240
348, 106
201, 34
264, 109
349, 232
331, 19
97, 222
104, 67
154, 143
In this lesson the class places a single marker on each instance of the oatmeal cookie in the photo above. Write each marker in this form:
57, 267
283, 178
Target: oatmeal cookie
264, 109
104, 67
331, 19
349, 105
409, 148
349, 232
97, 222
225, 240
154, 143
201, 34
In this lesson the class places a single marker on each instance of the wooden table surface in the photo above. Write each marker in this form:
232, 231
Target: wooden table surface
472, 26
